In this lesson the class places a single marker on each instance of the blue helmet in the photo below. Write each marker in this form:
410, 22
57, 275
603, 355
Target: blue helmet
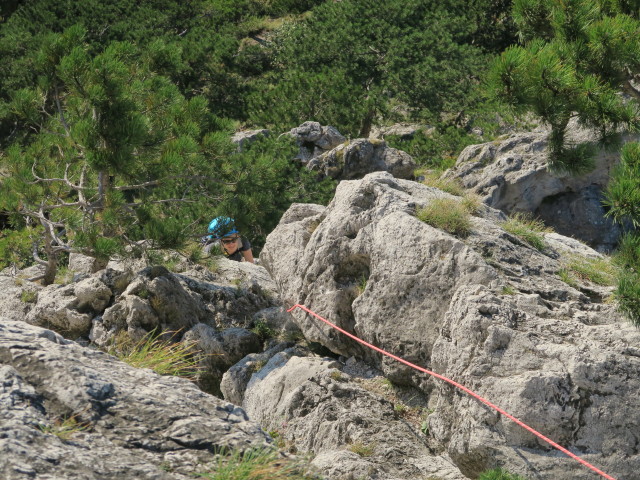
222, 227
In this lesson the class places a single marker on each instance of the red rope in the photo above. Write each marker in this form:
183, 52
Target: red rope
461, 387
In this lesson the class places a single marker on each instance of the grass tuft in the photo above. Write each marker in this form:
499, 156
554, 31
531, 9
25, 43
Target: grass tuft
596, 270
447, 214
64, 428
29, 296
449, 185
163, 356
529, 229
499, 474
259, 464
363, 449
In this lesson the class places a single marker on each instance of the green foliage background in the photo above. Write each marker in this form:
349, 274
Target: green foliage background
116, 94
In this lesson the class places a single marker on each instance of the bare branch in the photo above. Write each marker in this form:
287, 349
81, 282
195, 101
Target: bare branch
64, 180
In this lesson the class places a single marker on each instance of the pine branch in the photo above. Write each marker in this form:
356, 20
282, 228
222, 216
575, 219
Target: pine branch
64, 180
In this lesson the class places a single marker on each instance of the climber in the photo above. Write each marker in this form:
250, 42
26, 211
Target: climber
234, 247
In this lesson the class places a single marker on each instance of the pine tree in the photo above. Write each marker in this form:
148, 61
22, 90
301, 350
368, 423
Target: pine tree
576, 58
109, 153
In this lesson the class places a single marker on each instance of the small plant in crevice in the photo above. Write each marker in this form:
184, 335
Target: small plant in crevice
262, 329
29, 296
499, 474
159, 353
64, 428
447, 214
529, 229
258, 464
508, 290
361, 285
362, 449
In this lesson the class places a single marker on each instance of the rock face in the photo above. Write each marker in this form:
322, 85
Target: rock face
511, 175
210, 309
135, 424
489, 311
314, 139
367, 256
325, 150
360, 157
309, 403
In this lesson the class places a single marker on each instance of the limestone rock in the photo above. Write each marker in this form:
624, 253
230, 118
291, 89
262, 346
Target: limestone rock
235, 380
314, 139
369, 235
489, 311
511, 175
79, 263
315, 407
135, 424
360, 157
248, 136
573, 382
70, 308
219, 351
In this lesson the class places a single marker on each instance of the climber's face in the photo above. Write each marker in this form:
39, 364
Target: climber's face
230, 244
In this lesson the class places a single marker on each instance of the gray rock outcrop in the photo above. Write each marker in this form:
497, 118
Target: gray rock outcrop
246, 137
313, 139
314, 407
130, 423
511, 174
360, 157
489, 311
326, 151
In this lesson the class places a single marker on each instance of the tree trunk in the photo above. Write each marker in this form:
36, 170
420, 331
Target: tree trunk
51, 269
367, 123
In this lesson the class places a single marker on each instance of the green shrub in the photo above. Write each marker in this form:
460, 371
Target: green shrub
263, 330
627, 295
29, 296
15, 248
528, 229
499, 474
628, 253
259, 464
447, 214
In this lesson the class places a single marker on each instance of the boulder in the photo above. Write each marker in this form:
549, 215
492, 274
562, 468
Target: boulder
80, 264
369, 258
129, 422
360, 157
69, 309
312, 406
247, 137
511, 174
313, 139
218, 351
235, 380
489, 311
